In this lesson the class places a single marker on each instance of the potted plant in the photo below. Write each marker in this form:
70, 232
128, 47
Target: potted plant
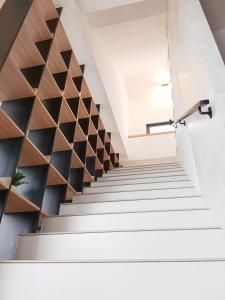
18, 179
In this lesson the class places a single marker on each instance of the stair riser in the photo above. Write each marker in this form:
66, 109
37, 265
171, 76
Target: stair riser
128, 221
138, 176
146, 171
136, 195
120, 245
160, 166
141, 180
144, 281
132, 206
138, 187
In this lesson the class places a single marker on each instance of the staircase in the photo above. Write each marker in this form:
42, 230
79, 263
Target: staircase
140, 232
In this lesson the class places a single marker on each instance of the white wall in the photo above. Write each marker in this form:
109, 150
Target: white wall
198, 73
152, 147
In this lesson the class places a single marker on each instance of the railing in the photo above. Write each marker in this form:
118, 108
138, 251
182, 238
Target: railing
195, 108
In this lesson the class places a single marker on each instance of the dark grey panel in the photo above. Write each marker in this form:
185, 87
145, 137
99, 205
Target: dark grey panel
52, 198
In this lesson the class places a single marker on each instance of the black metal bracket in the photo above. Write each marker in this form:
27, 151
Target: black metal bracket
182, 122
208, 112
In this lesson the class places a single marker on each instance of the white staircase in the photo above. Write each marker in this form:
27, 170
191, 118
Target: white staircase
140, 232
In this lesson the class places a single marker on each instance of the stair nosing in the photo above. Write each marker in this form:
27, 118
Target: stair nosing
111, 261
122, 231
155, 189
131, 212
150, 199
140, 183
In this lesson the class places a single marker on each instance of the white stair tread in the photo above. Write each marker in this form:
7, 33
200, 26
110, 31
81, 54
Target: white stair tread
149, 167
139, 180
144, 175
98, 281
126, 221
136, 195
135, 206
138, 187
175, 163
157, 244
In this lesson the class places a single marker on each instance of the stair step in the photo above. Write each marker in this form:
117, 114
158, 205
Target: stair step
149, 165
154, 244
143, 171
132, 206
144, 175
136, 195
138, 187
143, 167
128, 221
157, 280
139, 180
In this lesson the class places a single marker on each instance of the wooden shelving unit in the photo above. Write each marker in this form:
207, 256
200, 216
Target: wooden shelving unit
50, 127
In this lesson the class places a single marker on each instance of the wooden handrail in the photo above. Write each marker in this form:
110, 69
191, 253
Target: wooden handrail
197, 107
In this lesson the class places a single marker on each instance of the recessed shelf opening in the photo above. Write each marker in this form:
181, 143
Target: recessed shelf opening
60, 79
78, 82
68, 129
43, 139
66, 55
90, 165
52, 198
84, 124
76, 179
80, 149
95, 121
93, 141
44, 48
33, 75
87, 103
61, 161
52, 24
74, 105
53, 107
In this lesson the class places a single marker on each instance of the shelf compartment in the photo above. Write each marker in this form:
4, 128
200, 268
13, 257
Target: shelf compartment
53, 196
52, 25
75, 161
82, 113
78, 82
9, 155
48, 88
28, 55
107, 148
13, 85
84, 124
61, 161
74, 68
99, 173
99, 143
74, 105
106, 165
66, 56
53, 107
87, 176
5, 183
54, 177
56, 63
76, 178
94, 109
19, 111
79, 134
101, 134
36, 178
98, 165
68, 129
44, 47
90, 151
93, 141
66, 114
8, 129
70, 192
100, 155
61, 39
33, 75
107, 137
40, 117
70, 89
90, 165
38, 13
18, 203
85, 93
80, 149
87, 103
112, 158
43, 139
60, 142
31, 155
91, 130
95, 121
60, 79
